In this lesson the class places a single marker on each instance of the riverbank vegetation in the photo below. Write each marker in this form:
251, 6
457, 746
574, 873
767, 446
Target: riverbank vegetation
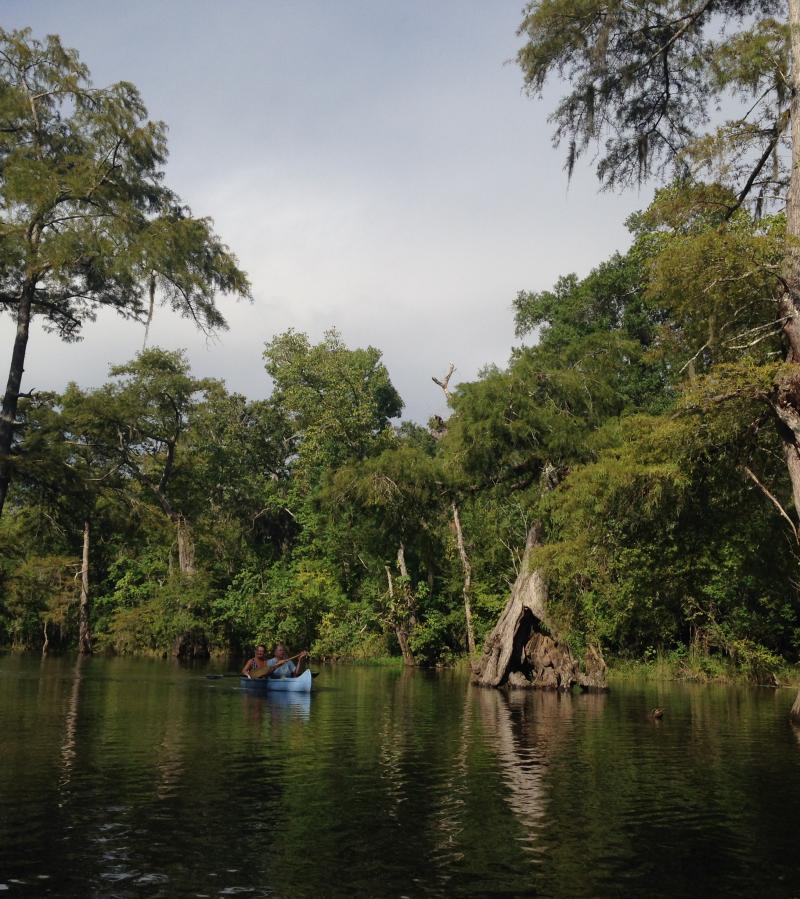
641, 424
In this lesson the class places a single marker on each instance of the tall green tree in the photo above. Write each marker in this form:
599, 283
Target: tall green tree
340, 399
71, 474
139, 422
393, 499
86, 220
339, 402
646, 82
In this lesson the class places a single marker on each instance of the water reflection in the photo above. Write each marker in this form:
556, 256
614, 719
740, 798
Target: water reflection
394, 733
130, 778
526, 730
68, 745
171, 752
451, 810
276, 707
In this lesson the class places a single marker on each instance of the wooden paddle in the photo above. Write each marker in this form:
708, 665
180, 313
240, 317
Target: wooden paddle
267, 669
221, 676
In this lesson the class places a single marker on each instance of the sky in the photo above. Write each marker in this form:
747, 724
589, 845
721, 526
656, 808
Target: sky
375, 167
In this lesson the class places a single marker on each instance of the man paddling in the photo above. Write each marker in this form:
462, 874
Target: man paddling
280, 665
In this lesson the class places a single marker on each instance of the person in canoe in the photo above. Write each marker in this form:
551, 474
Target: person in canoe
258, 661
280, 665
283, 666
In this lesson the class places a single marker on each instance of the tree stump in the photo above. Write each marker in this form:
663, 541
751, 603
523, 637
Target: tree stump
795, 712
523, 650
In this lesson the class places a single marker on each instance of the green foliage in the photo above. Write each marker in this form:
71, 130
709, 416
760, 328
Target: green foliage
351, 630
643, 80
283, 603
41, 591
173, 607
434, 640
87, 215
636, 430
340, 400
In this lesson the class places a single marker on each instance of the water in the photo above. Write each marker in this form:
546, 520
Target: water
130, 778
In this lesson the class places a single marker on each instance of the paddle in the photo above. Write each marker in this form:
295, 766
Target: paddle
220, 676
266, 671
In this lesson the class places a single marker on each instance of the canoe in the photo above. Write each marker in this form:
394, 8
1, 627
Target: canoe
300, 684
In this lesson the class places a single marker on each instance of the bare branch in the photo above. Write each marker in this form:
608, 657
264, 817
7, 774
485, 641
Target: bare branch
445, 381
772, 499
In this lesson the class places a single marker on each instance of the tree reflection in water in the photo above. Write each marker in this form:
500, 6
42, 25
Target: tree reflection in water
526, 730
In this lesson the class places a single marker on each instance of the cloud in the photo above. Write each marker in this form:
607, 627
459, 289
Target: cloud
373, 170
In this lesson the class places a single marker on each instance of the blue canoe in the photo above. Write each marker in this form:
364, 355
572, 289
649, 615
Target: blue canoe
300, 684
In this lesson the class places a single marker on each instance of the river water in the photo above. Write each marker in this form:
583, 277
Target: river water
132, 778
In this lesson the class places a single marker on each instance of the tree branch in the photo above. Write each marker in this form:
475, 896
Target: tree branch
445, 381
772, 499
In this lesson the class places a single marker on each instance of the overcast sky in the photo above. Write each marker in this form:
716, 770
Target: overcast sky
374, 166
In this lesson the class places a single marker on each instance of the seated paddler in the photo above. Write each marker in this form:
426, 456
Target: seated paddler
256, 665
283, 666
279, 666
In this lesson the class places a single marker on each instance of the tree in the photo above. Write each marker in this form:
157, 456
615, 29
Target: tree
646, 78
394, 497
87, 222
340, 400
516, 434
236, 454
69, 473
139, 422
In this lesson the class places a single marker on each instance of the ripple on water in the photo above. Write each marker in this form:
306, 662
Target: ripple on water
160, 786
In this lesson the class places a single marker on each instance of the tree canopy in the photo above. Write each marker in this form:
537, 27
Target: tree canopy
87, 221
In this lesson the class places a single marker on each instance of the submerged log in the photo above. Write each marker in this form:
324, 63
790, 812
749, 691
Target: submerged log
524, 651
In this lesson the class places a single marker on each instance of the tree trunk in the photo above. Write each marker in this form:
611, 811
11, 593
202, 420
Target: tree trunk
519, 653
46, 643
795, 713
401, 562
8, 414
399, 629
185, 547
84, 635
467, 581
503, 647
787, 398
408, 595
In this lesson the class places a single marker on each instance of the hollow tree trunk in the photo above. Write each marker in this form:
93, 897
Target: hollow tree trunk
84, 632
8, 414
504, 646
519, 651
467, 589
